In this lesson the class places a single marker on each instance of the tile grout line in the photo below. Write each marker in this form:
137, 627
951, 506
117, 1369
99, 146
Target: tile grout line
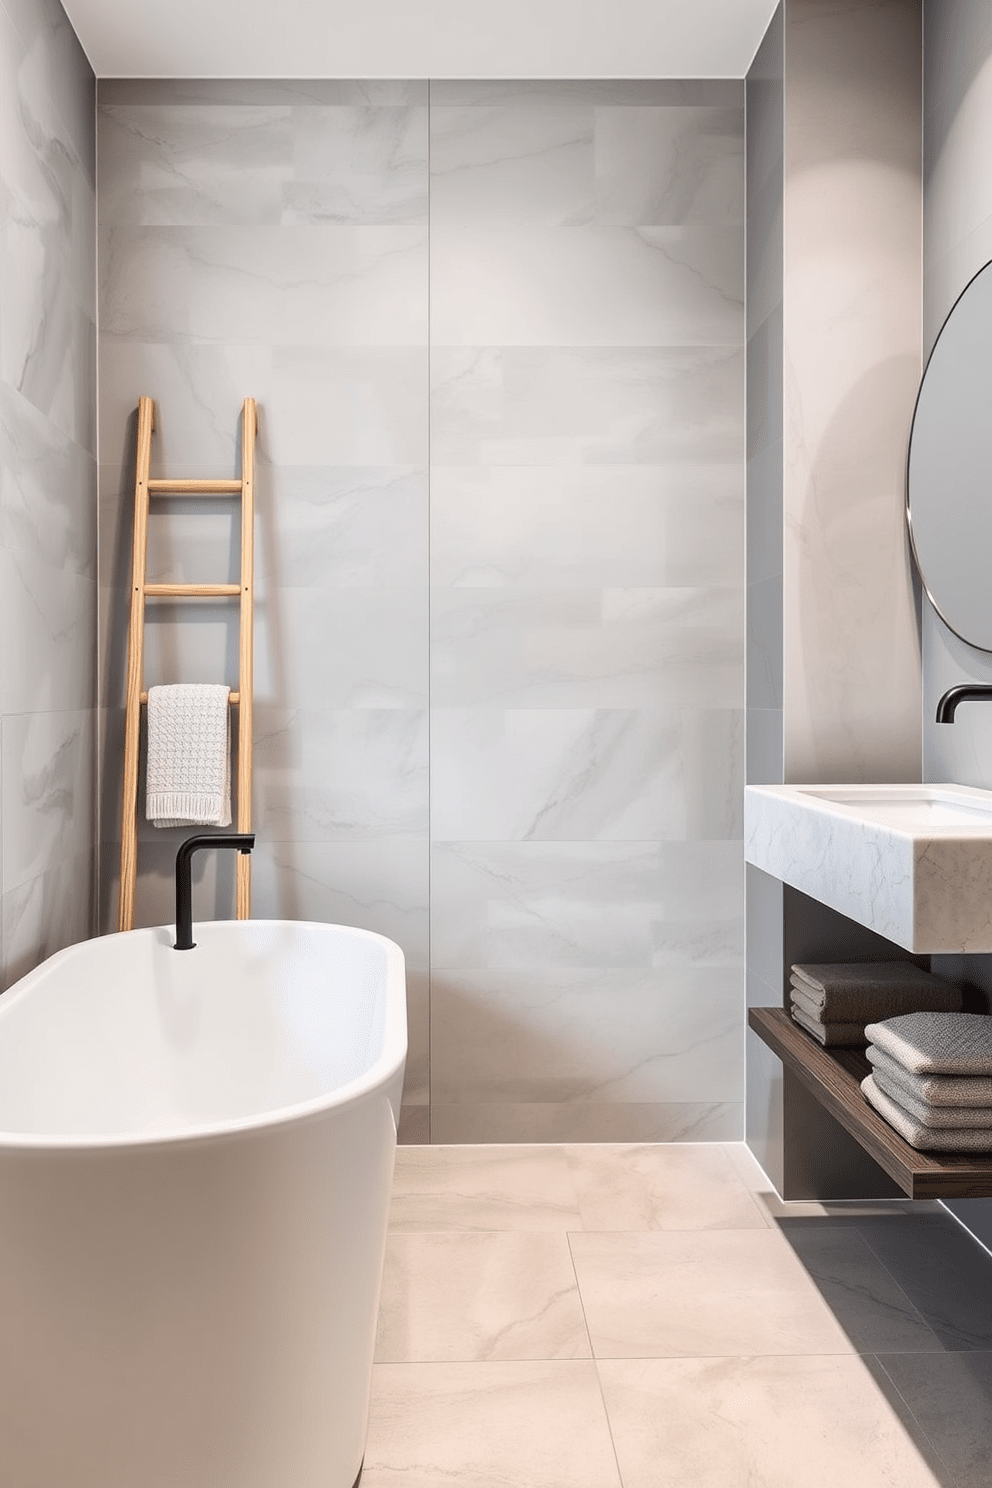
593, 1356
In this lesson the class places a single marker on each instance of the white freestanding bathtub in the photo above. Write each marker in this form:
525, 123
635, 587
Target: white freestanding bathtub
196, 1150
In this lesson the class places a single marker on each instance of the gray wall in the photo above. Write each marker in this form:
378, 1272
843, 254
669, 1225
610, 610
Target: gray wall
957, 242
833, 232
524, 764
48, 517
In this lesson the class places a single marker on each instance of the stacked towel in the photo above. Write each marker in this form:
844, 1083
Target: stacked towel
931, 1079
834, 1002
189, 756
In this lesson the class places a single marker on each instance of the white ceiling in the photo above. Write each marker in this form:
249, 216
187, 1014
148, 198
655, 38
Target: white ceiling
420, 38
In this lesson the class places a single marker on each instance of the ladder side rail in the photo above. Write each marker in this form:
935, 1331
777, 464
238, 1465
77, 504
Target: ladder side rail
249, 427
135, 660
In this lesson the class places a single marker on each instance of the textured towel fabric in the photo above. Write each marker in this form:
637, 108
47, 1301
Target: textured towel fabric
939, 1117
932, 1090
805, 1004
830, 1035
924, 1138
937, 1043
849, 992
189, 756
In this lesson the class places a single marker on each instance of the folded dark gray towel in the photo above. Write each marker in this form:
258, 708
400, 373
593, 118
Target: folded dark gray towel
939, 1118
937, 1043
924, 1138
830, 1035
846, 992
933, 1090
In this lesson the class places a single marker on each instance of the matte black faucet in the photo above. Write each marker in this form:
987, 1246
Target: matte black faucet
241, 841
967, 692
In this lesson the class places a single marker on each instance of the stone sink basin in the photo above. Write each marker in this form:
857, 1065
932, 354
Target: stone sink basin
912, 862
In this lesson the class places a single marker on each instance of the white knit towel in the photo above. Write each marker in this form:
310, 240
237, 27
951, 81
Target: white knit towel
189, 756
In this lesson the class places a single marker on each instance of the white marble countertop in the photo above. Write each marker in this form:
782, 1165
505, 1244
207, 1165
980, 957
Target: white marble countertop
912, 862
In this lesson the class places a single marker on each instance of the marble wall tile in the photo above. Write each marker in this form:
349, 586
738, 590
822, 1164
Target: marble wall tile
592, 904
532, 1036
57, 79
603, 286
677, 525
584, 774
300, 285
356, 773
48, 620
565, 92
615, 648
765, 512
268, 92
765, 945
417, 1076
585, 405
318, 406
186, 164
511, 164
47, 489
48, 802
692, 1121
46, 913
664, 165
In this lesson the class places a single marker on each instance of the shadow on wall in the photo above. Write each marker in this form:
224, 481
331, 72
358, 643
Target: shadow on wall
913, 1292
173, 555
856, 666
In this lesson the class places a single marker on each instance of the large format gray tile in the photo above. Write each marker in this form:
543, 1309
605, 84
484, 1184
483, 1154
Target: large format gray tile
46, 913
588, 904
588, 1121
575, 648
546, 774
946, 1275
603, 286
300, 285
534, 405
588, 526
509, 1295
519, 1035
47, 489
700, 1293
511, 165
744, 1422
535, 1425
48, 809
662, 165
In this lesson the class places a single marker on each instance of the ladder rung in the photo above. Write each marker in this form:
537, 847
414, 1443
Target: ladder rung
195, 487
191, 591
233, 698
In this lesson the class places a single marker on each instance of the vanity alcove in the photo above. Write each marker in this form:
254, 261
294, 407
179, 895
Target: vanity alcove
890, 872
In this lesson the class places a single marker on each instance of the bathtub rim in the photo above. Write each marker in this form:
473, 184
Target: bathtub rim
373, 1080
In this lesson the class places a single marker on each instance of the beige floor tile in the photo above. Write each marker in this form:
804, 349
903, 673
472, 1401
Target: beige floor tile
661, 1187
477, 1295
488, 1426
483, 1188
758, 1423
951, 1397
871, 1307
704, 1292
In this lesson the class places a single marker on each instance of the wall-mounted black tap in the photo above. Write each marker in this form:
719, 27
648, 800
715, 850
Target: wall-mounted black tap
967, 692
240, 841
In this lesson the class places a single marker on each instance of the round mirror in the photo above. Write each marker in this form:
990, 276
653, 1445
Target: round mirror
949, 493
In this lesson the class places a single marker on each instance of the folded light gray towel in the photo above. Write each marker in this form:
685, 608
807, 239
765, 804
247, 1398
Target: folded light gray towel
933, 1090
830, 1035
805, 1003
845, 992
924, 1138
937, 1043
939, 1118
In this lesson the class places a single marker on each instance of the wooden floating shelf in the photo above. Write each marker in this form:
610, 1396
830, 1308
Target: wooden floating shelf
833, 1077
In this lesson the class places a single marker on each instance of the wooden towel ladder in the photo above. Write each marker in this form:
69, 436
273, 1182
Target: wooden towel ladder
144, 488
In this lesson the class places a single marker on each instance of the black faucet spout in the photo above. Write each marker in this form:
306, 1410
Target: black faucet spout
241, 842
965, 693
